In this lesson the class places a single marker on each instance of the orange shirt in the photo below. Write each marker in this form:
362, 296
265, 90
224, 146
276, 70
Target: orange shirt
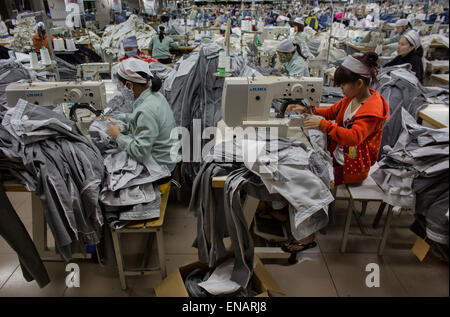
38, 42
361, 138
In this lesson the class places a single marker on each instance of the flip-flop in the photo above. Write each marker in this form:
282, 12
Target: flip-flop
307, 246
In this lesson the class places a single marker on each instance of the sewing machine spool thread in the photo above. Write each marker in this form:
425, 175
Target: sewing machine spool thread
70, 44
45, 57
58, 44
34, 60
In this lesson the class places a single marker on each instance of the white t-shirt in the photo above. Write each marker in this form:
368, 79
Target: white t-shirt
339, 150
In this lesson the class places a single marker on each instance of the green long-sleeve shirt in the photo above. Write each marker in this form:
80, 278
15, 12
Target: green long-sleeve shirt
160, 50
296, 66
151, 124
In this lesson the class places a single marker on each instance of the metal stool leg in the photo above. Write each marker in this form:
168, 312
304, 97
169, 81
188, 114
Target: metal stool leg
119, 258
332, 207
347, 226
161, 252
358, 216
148, 249
377, 219
385, 231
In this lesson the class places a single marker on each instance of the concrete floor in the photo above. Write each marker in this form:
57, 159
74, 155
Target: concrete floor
321, 271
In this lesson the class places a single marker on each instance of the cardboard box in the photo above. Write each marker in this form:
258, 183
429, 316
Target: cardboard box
173, 284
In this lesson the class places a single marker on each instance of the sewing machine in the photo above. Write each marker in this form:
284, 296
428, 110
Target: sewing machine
246, 101
90, 95
275, 33
92, 71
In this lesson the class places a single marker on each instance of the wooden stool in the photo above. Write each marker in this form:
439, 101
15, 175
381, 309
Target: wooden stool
154, 226
367, 191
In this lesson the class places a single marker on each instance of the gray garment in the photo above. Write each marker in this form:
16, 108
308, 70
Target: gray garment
98, 131
194, 92
331, 94
68, 170
121, 103
11, 71
401, 89
414, 174
16, 235
289, 174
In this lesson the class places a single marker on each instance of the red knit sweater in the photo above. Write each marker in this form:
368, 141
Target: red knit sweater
361, 138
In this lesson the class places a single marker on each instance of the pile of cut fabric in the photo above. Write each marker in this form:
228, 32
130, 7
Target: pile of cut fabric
48, 154
195, 92
11, 71
23, 34
129, 193
414, 174
281, 170
114, 35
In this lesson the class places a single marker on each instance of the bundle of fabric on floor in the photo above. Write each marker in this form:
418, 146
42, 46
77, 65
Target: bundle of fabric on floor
268, 169
11, 71
194, 91
414, 174
48, 153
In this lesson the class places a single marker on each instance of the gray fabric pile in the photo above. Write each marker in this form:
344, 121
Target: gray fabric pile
67, 71
49, 154
401, 89
194, 92
11, 71
414, 174
270, 170
129, 193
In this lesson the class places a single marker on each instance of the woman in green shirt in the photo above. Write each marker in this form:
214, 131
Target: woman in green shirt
151, 121
159, 47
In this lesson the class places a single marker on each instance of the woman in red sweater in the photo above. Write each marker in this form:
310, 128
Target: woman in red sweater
354, 124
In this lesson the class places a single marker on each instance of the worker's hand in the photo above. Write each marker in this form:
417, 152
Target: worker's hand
114, 131
384, 47
104, 117
311, 122
295, 108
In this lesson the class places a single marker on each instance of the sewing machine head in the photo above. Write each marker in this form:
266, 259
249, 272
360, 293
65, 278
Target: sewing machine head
92, 71
91, 94
247, 101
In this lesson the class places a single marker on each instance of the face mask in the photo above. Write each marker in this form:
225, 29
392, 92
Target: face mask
131, 53
285, 59
126, 92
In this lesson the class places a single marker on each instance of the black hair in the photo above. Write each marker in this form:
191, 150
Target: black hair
299, 51
161, 33
156, 81
370, 59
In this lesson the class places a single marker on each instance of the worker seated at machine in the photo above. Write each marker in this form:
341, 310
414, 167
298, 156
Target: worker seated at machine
355, 125
40, 38
130, 46
152, 119
160, 46
292, 61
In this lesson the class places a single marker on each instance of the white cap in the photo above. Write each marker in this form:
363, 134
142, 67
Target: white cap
38, 25
401, 22
315, 10
286, 46
299, 20
282, 18
129, 68
414, 38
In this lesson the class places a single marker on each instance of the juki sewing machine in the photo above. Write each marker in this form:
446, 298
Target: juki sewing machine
246, 101
90, 95
92, 71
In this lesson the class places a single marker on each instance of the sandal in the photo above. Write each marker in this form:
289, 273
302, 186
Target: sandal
293, 258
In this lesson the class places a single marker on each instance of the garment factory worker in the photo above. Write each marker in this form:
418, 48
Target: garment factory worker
3, 29
292, 63
312, 21
272, 20
401, 26
159, 47
40, 38
410, 51
299, 25
130, 46
152, 119
282, 20
355, 125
